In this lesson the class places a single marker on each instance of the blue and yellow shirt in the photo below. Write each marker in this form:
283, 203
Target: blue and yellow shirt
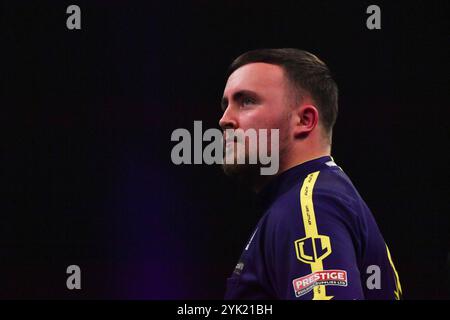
317, 239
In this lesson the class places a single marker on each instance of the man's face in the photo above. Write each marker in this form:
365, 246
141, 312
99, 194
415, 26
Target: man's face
256, 96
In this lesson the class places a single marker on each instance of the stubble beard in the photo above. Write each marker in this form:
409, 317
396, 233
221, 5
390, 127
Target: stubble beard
250, 174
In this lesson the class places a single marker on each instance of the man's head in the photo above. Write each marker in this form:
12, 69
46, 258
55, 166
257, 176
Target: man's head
286, 89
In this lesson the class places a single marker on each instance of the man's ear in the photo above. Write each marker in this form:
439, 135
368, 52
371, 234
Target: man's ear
306, 119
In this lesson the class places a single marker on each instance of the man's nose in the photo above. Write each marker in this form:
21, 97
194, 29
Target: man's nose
228, 120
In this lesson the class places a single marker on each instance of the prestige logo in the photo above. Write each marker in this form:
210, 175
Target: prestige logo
305, 284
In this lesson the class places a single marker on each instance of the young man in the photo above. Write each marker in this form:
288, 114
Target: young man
316, 238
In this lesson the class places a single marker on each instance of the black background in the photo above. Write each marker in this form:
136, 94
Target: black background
86, 174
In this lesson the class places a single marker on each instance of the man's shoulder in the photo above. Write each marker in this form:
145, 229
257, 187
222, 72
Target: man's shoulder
329, 188
334, 185
329, 183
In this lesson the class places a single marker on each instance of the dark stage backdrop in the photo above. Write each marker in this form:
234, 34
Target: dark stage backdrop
87, 116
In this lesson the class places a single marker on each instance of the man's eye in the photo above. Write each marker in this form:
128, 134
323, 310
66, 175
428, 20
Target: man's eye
247, 101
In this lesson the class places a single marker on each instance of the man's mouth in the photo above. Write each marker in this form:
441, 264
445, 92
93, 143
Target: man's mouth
233, 139
229, 145
230, 142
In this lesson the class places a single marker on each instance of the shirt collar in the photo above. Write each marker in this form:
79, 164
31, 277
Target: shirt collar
284, 181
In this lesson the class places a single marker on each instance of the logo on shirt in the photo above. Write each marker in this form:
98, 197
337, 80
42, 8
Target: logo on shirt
239, 267
313, 249
305, 284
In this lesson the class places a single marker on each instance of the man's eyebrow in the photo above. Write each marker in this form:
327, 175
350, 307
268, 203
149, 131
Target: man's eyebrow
236, 96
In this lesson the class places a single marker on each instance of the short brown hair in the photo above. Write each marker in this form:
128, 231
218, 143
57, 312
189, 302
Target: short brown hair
306, 72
